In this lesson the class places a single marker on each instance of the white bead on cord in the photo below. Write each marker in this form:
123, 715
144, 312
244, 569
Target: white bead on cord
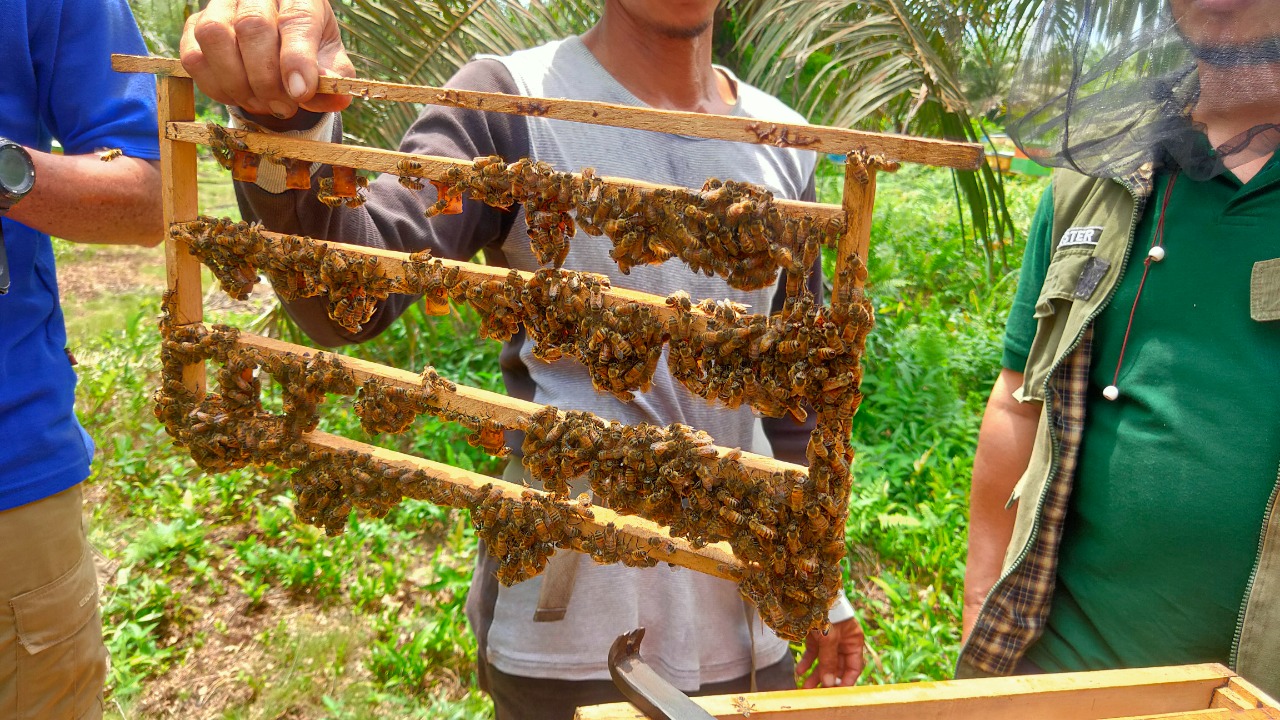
1156, 253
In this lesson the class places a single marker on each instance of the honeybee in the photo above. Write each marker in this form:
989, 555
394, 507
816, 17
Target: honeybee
856, 166
498, 548
410, 183
818, 521
763, 532
109, 154
733, 516
541, 528
408, 166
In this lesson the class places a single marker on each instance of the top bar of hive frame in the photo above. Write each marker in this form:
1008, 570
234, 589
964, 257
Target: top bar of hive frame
818, 138
432, 167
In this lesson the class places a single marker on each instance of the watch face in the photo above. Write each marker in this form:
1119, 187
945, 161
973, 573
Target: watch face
17, 174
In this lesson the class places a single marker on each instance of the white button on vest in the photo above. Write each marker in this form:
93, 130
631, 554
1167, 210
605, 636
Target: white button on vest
1156, 253
1111, 392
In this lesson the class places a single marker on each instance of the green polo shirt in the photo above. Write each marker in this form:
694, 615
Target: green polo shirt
1174, 477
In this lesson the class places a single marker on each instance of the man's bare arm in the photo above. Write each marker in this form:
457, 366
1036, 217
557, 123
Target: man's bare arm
1004, 449
83, 199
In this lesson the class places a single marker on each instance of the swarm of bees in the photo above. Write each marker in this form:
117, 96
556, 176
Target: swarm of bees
297, 267
729, 228
331, 193
787, 528
805, 355
808, 355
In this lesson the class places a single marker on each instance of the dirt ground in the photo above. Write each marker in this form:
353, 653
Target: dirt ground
89, 275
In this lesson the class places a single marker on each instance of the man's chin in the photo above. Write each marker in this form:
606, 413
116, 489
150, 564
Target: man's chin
683, 32
1223, 7
1265, 51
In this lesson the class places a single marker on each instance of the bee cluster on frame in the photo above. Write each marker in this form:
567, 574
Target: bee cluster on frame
784, 524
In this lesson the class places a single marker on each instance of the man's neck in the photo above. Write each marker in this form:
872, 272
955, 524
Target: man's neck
1233, 100
665, 72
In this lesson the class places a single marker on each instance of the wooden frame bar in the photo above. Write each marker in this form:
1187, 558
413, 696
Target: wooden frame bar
819, 138
433, 167
396, 266
857, 200
1184, 692
512, 413
715, 559
180, 203
1240, 693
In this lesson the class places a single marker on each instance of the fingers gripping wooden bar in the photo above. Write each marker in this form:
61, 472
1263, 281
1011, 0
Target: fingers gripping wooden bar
819, 138
715, 559
433, 168
511, 412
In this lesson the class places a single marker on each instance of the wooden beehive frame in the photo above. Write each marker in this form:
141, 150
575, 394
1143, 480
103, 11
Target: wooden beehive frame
641, 540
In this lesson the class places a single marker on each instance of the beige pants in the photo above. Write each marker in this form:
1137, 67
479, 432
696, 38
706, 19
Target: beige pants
52, 660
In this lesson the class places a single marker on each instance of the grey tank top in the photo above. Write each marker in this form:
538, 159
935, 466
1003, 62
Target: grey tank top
697, 629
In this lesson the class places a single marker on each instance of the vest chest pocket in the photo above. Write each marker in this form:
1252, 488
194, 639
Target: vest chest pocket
1056, 296
1264, 291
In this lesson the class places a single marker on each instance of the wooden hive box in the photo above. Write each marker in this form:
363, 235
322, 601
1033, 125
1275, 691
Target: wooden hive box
1189, 692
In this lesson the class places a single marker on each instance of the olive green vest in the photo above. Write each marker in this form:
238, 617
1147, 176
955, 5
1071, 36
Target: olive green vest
1080, 281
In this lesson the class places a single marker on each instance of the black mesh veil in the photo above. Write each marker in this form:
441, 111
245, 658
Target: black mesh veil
1107, 85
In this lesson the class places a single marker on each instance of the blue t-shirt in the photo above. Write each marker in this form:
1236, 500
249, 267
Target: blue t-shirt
56, 81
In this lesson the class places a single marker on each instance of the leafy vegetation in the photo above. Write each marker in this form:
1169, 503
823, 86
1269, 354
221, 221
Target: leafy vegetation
217, 602
927, 68
423, 42
219, 598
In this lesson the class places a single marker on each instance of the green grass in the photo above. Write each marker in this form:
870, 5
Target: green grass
929, 365
199, 555
221, 604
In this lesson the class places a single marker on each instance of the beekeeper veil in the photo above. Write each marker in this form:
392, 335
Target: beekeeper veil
1107, 85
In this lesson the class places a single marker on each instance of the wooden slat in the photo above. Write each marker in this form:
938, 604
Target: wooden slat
433, 167
819, 138
510, 412
858, 202
715, 559
1066, 696
1212, 714
1227, 697
396, 265
180, 203
1249, 694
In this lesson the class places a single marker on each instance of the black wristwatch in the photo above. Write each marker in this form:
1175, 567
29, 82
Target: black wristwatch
17, 176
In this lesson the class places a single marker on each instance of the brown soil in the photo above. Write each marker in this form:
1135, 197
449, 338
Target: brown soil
115, 271
85, 275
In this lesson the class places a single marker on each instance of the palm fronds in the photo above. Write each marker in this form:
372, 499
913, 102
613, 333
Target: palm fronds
423, 42
917, 66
